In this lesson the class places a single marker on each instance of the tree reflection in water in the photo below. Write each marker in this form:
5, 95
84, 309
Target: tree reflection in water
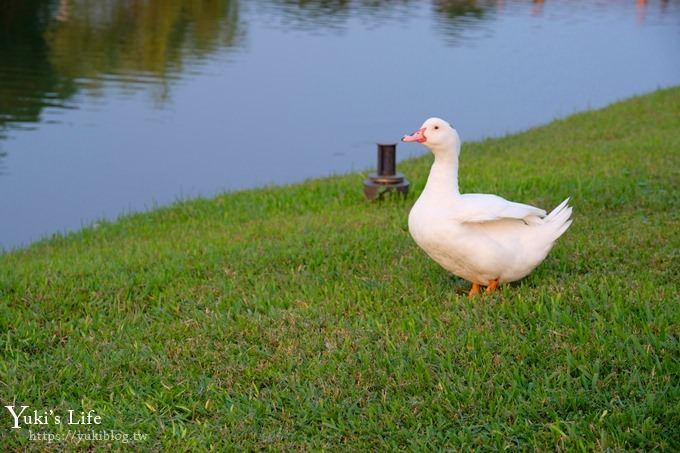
51, 49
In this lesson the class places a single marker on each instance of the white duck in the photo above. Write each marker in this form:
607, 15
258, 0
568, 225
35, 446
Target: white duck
482, 238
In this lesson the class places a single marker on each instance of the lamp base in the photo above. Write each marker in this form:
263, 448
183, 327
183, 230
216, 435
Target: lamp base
375, 186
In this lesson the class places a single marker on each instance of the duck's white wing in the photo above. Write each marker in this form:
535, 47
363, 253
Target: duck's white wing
478, 207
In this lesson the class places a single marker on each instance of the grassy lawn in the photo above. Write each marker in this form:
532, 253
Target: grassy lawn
305, 318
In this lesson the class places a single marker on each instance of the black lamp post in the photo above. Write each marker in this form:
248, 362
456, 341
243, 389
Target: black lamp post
386, 178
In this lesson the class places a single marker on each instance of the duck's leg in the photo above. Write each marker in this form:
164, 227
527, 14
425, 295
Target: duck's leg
493, 284
474, 290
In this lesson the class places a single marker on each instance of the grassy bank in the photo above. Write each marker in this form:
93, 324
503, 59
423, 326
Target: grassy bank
305, 318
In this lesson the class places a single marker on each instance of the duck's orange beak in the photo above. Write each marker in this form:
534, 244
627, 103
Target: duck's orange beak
417, 136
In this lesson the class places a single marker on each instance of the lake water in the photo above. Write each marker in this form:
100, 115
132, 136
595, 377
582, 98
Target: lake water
113, 106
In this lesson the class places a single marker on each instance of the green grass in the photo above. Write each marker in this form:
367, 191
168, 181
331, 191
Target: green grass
305, 318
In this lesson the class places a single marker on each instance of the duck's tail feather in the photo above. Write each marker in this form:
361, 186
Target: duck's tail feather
558, 220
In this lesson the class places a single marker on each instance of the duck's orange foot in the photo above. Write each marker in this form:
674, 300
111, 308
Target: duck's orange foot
493, 284
474, 290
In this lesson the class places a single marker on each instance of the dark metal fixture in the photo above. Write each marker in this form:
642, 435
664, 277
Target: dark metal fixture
386, 178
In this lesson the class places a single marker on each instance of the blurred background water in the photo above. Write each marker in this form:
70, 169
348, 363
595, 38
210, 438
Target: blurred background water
113, 106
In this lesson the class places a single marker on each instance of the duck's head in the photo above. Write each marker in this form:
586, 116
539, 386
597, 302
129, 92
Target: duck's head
437, 135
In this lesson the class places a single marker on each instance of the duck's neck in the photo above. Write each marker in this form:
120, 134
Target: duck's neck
443, 179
